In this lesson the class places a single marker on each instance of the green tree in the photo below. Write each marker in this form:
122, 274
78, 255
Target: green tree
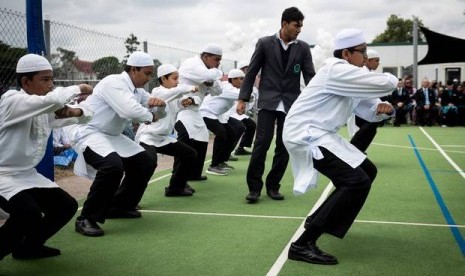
106, 66
9, 56
399, 30
131, 45
62, 63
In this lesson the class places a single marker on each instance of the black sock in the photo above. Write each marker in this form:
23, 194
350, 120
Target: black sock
311, 234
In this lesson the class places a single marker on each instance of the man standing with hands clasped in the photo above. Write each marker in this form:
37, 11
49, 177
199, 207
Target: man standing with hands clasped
282, 59
311, 136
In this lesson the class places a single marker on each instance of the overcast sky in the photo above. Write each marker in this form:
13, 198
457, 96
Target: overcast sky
237, 24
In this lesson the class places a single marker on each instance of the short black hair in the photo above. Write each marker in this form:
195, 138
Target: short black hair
292, 14
166, 76
127, 68
29, 75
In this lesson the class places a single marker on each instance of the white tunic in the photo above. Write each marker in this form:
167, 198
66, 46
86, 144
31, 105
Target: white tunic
322, 109
116, 103
25, 126
194, 72
217, 107
249, 106
158, 134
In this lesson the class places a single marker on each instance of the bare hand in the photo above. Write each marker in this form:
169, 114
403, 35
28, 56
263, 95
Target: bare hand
156, 102
240, 108
186, 102
384, 108
68, 112
85, 88
195, 89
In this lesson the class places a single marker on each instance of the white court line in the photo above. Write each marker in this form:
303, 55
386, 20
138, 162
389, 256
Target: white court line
278, 264
294, 218
410, 147
456, 167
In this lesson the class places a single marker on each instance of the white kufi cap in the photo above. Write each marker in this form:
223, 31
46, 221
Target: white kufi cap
372, 54
235, 73
242, 63
165, 69
32, 63
348, 38
140, 59
213, 48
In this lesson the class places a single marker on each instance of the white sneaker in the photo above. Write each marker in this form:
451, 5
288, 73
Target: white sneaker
216, 170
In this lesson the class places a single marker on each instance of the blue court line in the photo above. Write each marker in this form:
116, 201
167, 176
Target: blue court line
445, 212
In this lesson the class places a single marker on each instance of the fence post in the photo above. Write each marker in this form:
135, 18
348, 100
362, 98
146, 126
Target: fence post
36, 45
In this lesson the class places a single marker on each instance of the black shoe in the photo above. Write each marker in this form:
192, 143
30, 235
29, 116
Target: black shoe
310, 254
189, 188
232, 158
172, 193
88, 228
114, 213
242, 151
276, 195
199, 178
252, 197
26, 252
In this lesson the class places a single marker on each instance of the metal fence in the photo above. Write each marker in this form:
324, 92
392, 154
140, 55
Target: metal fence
77, 55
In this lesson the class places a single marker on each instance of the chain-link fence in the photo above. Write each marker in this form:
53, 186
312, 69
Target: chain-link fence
77, 55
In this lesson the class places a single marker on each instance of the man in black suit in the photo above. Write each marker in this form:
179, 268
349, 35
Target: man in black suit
282, 58
427, 111
401, 101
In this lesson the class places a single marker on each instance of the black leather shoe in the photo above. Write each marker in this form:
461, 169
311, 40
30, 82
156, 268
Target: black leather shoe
200, 178
172, 193
242, 151
252, 197
43, 251
275, 195
88, 228
189, 188
114, 213
310, 254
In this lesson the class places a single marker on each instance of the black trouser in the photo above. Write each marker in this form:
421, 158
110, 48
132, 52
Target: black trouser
426, 116
224, 141
239, 129
339, 210
249, 133
196, 168
184, 155
365, 135
110, 189
266, 122
35, 215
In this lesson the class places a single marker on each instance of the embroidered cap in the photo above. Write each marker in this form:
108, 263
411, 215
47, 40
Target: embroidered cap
165, 69
348, 38
32, 63
213, 48
372, 54
235, 73
140, 59
242, 63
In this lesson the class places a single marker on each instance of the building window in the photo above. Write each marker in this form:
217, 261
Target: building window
392, 70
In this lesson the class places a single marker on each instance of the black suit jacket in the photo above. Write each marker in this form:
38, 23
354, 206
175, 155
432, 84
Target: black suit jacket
276, 83
420, 97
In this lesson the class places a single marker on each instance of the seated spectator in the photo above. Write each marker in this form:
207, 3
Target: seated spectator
449, 101
63, 153
426, 108
402, 103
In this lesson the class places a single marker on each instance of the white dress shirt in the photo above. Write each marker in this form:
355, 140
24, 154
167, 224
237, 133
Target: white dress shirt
116, 103
322, 109
194, 72
216, 107
25, 126
158, 134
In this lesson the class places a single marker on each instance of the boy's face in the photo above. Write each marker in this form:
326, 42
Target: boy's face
40, 84
237, 82
211, 61
171, 81
141, 77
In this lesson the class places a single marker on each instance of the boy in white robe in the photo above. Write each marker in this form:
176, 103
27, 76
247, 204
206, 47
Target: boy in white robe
123, 166
310, 135
38, 208
201, 71
156, 138
213, 111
